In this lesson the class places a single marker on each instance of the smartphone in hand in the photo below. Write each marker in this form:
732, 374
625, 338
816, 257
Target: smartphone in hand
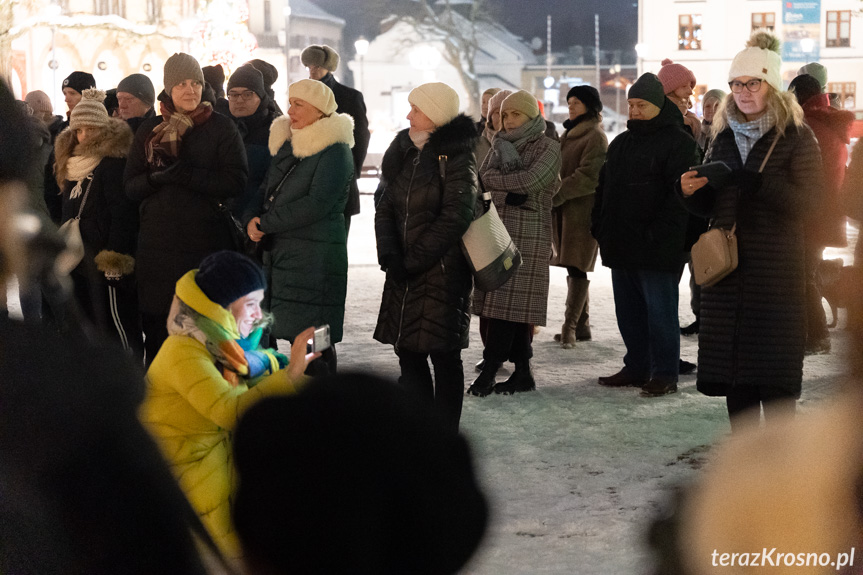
716, 172
321, 340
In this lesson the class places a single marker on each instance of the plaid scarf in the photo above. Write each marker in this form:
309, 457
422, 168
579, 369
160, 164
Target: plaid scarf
163, 143
746, 134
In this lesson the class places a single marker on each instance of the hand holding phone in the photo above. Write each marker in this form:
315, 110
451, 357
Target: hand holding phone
716, 172
320, 340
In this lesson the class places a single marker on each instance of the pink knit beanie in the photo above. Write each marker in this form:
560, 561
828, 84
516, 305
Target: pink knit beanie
673, 76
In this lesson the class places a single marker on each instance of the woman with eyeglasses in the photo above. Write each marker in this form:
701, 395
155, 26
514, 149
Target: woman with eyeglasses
183, 165
752, 329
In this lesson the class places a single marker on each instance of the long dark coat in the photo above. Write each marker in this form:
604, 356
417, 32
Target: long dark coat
638, 218
524, 297
582, 152
180, 224
753, 321
420, 219
351, 102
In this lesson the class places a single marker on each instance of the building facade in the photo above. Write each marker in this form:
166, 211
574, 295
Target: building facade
704, 35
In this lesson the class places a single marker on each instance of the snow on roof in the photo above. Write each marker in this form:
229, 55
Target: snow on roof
306, 9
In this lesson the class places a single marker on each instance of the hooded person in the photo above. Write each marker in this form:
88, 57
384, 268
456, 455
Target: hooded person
826, 225
249, 106
183, 166
776, 180
298, 219
90, 160
640, 225
425, 204
678, 81
522, 173
322, 61
377, 485
210, 370
582, 149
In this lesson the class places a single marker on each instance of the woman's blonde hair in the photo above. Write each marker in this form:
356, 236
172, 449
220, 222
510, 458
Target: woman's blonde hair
782, 105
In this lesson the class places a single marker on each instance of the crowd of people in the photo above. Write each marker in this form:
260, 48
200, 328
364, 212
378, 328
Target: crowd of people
211, 225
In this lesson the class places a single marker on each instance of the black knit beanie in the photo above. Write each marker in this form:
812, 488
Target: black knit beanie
79, 81
215, 77
249, 77
588, 96
649, 88
804, 87
226, 276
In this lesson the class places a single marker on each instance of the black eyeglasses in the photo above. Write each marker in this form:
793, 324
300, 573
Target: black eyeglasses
245, 96
751, 85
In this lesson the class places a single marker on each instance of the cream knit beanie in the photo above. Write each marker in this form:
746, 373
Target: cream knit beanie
522, 101
437, 101
760, 59
315, 93
90, 111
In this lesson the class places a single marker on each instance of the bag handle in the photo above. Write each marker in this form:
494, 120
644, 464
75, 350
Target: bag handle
84, 199
268, 203
769, 152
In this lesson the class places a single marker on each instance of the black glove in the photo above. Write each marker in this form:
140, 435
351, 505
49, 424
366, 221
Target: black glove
749, 181
513, 199
395, 267
178, 173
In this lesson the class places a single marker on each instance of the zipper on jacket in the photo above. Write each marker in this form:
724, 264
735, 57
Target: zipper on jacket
442, 266
416, 162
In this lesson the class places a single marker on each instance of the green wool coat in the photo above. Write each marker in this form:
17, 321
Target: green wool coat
307, 263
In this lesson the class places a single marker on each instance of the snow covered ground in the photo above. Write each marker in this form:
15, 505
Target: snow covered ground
574, 471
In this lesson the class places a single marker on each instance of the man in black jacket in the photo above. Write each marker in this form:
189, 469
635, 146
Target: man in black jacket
640, 224
322, 61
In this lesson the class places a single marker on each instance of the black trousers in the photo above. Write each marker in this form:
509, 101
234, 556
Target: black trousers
446, 392
816, 318
155, 328
508, 340
745, 402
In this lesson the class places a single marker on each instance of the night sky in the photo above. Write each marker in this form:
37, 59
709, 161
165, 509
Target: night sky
572, 20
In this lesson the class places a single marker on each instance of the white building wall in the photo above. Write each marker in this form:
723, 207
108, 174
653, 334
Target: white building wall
726, 25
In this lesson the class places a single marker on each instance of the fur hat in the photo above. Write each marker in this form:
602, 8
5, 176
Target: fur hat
79, 81
817, 71
648, 87
139, 86
226, 276
376, 485
249, 77
437, 101
522, 101
39, 102
760, 59
90, 111
180, 67
715, 94
804, 87
315, 93
587, 95
320, 56
673, 76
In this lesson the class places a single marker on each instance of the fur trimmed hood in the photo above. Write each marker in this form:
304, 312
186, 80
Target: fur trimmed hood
115, 142
329, 130
459, 136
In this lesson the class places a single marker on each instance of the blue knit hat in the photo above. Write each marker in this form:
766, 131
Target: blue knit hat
226, 276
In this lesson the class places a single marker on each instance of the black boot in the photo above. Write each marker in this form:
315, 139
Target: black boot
484, 384
520, 380
692, 328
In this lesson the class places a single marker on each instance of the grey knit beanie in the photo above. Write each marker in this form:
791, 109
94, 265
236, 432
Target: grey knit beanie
180, 67
139, 86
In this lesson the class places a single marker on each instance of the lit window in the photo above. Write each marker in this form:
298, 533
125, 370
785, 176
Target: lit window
689, 32
765, 20
839, 28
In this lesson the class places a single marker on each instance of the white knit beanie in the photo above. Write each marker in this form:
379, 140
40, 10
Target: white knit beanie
315, 93
760, 59
437, 101
90, 111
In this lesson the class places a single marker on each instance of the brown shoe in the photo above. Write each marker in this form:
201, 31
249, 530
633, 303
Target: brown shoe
623, 378
658, 386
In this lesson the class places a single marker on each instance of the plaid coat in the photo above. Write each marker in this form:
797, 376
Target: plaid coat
524, 297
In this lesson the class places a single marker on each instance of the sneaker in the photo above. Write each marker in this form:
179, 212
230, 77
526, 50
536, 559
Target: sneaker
659, 386
623, 378
691, 329
686, 367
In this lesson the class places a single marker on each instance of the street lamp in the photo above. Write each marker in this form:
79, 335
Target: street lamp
641, 50
362, 48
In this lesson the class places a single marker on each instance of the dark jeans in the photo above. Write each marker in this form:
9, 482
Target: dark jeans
508, 340
446, 393
155, 328
645, 302
745, 402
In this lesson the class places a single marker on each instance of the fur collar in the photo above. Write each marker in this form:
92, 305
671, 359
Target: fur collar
115, 142
457, 137
333, 129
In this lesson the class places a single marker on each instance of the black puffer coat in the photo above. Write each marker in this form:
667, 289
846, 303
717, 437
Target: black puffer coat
638, 218
180, 224
420, 220
753, 321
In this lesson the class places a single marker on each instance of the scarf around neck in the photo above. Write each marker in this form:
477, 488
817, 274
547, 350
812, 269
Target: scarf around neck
505, 145
78, 169
163, 143
746, 134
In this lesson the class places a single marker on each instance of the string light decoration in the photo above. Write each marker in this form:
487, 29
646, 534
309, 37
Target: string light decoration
222, 35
